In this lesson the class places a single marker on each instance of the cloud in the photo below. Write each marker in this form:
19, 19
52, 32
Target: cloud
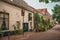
36, 4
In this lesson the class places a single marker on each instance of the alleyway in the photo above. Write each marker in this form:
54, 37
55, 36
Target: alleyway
53, 34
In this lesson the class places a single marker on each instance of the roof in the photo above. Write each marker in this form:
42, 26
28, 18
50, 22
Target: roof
19, 3
46, 13
35, 10
42, 10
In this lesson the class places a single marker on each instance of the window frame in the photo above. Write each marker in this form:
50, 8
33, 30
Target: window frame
30, 16
6, 18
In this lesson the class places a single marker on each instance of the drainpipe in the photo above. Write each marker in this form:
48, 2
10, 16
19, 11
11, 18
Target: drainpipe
23, 25
23, 11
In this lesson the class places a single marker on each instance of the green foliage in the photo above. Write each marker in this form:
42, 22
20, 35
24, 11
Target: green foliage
42, 24
55, 0
14, 27
46, 25
37, 20
20, 31
47, 1
56, 13
17, 29
41, 0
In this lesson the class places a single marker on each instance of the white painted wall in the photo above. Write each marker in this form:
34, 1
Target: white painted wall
15, 15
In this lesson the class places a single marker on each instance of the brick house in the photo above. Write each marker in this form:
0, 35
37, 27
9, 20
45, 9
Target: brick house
12, 11
43, 12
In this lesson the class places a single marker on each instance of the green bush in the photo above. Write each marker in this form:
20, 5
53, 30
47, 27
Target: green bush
42, 24
17, 29
20, 31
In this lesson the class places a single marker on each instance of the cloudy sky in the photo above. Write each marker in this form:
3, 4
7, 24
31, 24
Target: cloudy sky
36, 4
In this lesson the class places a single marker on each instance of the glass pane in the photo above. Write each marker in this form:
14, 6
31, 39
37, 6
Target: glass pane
30, 14
4, 22
6, 16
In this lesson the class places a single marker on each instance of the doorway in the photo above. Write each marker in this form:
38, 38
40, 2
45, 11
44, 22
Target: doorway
25, 27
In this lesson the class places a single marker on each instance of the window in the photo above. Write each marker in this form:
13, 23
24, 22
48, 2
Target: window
22, 12
30, 16
4, 20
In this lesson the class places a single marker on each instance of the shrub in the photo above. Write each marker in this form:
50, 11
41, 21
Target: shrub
17, 29
20, 31
42, 24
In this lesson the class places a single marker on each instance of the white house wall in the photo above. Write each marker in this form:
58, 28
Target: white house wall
15, 15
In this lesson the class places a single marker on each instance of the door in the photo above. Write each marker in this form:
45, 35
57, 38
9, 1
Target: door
25, 27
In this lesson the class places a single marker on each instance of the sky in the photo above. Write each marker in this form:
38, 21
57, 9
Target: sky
39, 5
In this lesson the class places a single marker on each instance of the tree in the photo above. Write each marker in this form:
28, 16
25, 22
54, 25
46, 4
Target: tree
47, 1
56, 13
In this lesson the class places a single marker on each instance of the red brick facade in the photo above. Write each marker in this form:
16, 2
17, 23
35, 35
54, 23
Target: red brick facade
44, 13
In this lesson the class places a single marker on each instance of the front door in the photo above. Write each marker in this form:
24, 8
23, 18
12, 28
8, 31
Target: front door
25, 27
